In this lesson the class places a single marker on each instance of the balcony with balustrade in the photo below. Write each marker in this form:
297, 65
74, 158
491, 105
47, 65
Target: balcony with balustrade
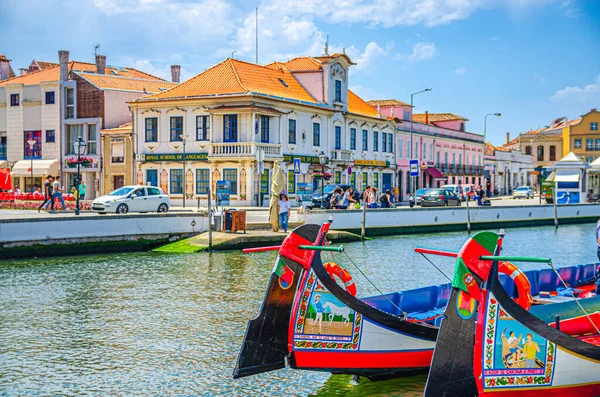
244, 150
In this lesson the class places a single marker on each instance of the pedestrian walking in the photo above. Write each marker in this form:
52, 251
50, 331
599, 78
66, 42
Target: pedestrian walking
47, 193
82, 188
57, 192
284, 211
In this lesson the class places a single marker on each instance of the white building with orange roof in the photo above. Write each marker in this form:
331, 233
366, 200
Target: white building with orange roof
238, 118
51, 104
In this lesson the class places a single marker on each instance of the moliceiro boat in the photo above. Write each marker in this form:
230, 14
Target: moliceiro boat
312, 318
513, 352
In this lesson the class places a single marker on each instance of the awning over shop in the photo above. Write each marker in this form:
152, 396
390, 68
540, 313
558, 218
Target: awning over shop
567, 178
40, 168
435, 173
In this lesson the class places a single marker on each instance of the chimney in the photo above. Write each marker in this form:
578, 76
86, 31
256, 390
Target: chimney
63, 60
507, 137
4, 68
426, 117
23, 71
175, 71
100, 64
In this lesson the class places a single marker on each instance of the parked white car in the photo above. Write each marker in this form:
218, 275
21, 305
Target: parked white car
133, 199
523, 192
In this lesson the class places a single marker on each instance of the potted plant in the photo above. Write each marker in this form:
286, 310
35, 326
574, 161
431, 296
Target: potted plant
327, 175
317, 175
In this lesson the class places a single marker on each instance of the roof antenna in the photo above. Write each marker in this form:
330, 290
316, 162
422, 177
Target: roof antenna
96, 46
326, 49
233, 52
257, 35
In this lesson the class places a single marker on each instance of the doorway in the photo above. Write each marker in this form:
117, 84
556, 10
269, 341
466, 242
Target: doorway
118, 181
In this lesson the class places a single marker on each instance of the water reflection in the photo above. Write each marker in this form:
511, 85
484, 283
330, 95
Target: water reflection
148, 324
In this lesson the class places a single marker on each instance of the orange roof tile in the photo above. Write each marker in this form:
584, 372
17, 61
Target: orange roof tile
45, 65
232, 77
303, 64
121, 83
357, 105
489, 149
123, 128
53, 73
437, 117
387, 102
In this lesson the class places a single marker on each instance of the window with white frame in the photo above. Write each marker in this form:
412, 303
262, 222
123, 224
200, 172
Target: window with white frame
70, 103
594, 126
117, 150
91, 138
400, 148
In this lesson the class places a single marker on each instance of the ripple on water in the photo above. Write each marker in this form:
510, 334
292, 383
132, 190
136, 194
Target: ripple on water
145, 324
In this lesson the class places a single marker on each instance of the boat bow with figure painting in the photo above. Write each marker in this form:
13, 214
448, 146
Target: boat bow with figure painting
312, 317
514, 352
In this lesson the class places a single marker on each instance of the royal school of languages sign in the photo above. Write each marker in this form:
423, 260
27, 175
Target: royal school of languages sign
289, 158
175, 157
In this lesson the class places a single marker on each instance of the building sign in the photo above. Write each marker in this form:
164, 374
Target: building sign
372, 163
414, 167
297, 164
174, 157
289, 158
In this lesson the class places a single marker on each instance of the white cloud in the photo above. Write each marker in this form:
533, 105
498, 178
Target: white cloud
570, 8
421, 52
365, 60
388, 13
366, 93
151, 67
461, 71
539, 78
583, 96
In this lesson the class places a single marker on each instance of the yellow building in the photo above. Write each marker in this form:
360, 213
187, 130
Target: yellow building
117, 156
582, 136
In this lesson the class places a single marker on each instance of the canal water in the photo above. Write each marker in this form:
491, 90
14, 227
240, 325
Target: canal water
146, 324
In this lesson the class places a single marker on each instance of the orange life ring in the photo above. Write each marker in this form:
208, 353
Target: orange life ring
521, 281
336, 270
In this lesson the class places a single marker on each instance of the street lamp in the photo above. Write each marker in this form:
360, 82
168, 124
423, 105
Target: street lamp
80, 146
411, 131
31, 143
485, 123
322, 161
184, 137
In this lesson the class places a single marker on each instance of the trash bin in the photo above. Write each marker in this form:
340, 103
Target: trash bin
218, 222
235, 221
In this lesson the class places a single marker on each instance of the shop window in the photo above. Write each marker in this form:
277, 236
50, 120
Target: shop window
50, 136
365, 181
230, 174
376, 180
3, 148
291, 182
337, 177
176, 181
202, 180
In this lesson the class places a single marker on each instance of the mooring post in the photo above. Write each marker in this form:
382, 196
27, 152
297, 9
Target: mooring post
364, 219
209, 223
468, 215
555, 213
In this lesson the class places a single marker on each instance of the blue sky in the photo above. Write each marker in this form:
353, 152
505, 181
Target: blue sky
531, 60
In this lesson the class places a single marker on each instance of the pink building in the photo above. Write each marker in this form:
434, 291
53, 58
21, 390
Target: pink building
447, 154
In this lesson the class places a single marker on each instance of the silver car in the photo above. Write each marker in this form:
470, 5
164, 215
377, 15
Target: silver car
525, 192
